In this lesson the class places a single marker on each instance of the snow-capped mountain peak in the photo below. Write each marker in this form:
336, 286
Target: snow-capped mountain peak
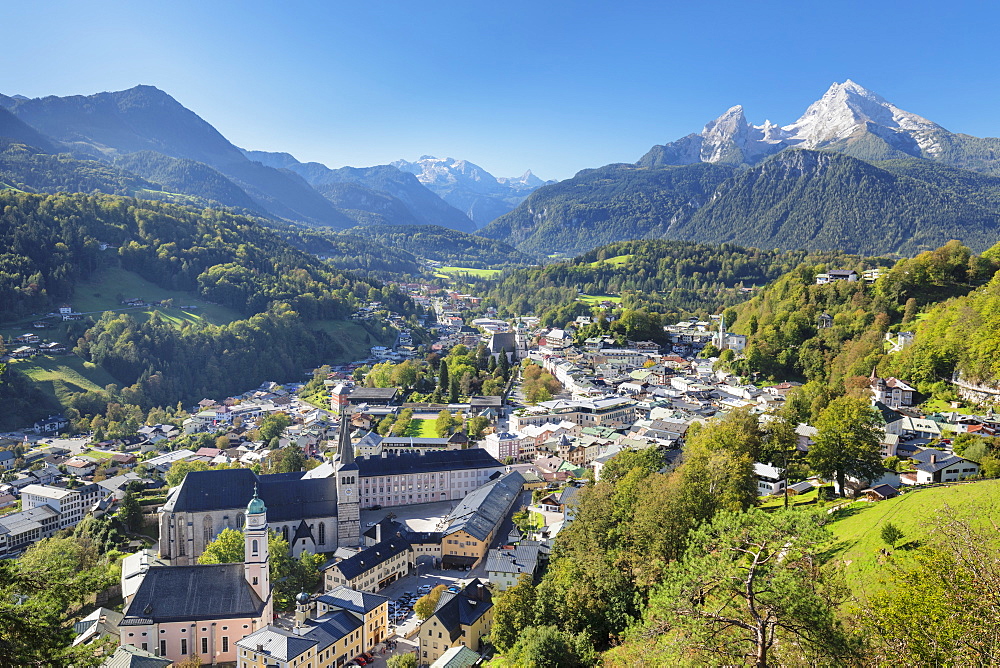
845, 113
847, 106
469, 187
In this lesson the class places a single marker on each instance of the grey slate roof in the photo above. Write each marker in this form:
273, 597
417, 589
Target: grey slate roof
278, 643
288, 496
943, 460
454, 611
426, 462
521, 559
370, 557
373, 394
128, 656
482, 510
181, 593
503, 340
351, 599
285, 645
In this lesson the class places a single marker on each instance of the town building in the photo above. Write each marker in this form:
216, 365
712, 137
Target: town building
319, 510
71, 504
614, 411
372, 568
505, 565
472, 525
328, 631
181, 611
460, 619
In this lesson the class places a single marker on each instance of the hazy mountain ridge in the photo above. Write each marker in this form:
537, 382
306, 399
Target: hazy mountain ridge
421, 206
470, 188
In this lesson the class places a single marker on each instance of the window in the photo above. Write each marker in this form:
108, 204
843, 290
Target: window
184, 646
254, 546
225, 643
163, 648
204, 646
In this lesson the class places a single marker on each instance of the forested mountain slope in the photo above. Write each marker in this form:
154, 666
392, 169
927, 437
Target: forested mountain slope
54, 242
447, 246
797, 199
672, 278
600, 206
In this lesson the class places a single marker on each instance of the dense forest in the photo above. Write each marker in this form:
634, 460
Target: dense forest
675, 278
446, 246
947, 296
30, 169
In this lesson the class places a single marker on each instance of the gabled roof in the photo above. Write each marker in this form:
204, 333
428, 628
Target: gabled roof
482, 510
183, 593
942, 460
277, 643
367, 559
521, 559
129, 656
426, 461
351, 599
288, 496
457, 657
454, 611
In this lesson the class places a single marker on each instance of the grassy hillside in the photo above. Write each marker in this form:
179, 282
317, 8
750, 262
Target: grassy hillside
858, 529
102, 292
62, 376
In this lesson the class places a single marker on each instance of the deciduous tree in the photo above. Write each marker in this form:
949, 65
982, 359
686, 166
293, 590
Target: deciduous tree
847, 442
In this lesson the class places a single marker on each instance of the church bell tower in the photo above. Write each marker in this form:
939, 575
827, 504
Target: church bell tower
348, 503
256, 560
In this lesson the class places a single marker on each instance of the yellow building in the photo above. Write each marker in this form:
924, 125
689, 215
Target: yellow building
371, 569
461, 619
349, 623
475, 521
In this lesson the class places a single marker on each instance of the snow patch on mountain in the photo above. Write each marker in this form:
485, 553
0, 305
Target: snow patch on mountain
843, 113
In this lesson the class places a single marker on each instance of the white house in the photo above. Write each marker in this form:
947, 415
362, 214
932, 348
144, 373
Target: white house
770, 479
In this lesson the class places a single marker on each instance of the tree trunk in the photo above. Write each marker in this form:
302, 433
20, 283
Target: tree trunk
761, 634
840, 484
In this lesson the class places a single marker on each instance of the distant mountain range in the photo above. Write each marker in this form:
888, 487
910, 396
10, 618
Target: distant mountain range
853, 173
470, 188
144, 132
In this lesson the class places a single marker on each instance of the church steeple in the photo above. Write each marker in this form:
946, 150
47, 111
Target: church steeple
348, 503
344, 446
256, 560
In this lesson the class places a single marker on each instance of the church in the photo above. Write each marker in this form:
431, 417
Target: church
180, 611
317, 510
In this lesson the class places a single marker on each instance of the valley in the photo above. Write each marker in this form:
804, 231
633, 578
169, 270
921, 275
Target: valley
614, 384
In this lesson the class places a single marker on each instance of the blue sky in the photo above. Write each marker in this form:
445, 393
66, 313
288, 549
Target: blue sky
549, 85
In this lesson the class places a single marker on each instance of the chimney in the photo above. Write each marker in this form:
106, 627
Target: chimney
933, 459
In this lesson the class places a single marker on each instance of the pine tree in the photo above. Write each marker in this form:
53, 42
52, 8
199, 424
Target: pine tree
443, 384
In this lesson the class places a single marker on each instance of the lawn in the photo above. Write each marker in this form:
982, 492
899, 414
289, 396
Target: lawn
597, 299
941, 406
807, 499
63, 375
102, 292
858, 530
354, 338
98, 454
617, 260
422, 429
479, 273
